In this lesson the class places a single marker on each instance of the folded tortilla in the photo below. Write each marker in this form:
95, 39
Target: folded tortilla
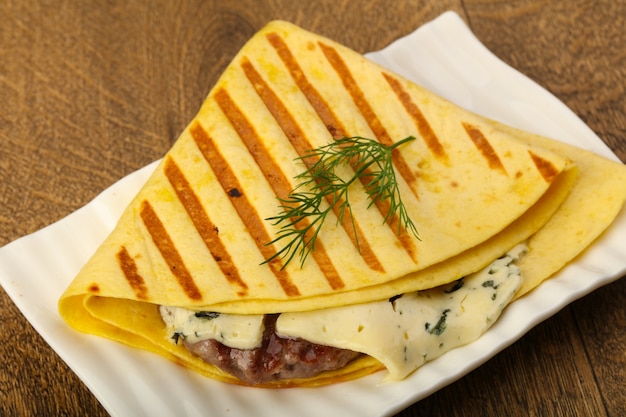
196, 235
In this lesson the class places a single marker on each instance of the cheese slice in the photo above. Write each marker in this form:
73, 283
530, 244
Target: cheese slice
405, 332
402, 333
236, 331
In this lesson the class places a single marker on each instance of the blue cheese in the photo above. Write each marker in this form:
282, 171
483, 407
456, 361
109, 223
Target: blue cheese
406, 331
402, 333
236, 331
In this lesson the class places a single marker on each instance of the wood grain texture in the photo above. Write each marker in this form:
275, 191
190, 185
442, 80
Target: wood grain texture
92, 91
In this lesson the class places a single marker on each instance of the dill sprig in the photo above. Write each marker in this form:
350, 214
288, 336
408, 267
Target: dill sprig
303, 211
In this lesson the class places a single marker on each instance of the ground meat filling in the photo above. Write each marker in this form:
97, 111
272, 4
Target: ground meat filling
278, 358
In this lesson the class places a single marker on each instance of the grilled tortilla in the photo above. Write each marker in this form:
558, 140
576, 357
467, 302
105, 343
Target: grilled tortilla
196, 235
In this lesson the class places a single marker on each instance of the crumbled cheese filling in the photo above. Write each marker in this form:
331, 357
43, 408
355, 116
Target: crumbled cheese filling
236, 331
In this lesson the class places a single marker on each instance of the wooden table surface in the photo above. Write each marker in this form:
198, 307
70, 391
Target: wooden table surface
91, 91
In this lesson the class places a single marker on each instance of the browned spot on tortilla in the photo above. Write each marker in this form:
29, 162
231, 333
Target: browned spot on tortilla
484, 147
316, 100
426, 131
129, 268
203, 224
94, 288
168, 250
547, 170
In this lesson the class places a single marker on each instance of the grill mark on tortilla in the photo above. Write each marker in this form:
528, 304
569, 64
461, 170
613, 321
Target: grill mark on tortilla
426, 131
547, 170
275, 177
244, 208
204, 226
381, 134
333, 124
166, 246
484, 147
299, 141
367, 111
129, 268
323, 110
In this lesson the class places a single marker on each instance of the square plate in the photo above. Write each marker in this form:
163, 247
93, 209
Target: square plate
445, 57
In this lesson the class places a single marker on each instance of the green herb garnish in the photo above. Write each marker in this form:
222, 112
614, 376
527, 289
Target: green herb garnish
209, 315
440, 327
303, 210
177, 336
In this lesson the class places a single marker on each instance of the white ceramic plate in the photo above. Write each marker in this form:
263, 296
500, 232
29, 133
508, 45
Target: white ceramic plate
442, 55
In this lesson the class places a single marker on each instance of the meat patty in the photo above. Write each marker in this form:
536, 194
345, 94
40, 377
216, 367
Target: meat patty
278, 358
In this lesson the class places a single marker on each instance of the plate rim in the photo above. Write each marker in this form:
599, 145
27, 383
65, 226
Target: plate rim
388, 400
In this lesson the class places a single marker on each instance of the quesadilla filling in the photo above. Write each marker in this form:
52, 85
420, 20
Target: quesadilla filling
402, 333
